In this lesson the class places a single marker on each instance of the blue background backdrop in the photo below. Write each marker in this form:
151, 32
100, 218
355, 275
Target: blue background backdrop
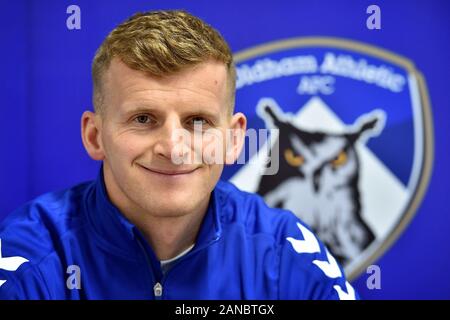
45, 86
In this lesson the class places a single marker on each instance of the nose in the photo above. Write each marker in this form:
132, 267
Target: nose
168, 139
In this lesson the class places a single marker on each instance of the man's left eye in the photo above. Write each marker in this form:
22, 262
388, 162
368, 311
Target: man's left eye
198, 121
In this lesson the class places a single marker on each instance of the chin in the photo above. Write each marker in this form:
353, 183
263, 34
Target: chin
170, 211
172, 205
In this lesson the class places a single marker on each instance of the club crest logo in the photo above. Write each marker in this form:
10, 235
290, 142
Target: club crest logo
353, 143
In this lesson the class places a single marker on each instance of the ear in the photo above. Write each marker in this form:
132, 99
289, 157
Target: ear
90, 134
235, 139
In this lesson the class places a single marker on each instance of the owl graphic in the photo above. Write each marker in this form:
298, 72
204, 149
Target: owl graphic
318, 178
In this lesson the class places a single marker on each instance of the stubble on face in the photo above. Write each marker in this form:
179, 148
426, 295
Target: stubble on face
141, 113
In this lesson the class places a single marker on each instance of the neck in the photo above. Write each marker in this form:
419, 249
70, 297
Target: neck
168, 235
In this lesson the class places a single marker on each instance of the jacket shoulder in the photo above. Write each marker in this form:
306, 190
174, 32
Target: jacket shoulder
32, 233
307, 270
250, 210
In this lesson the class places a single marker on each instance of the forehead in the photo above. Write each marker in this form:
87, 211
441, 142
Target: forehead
202, 85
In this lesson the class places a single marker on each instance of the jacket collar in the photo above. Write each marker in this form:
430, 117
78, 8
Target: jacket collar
118, 233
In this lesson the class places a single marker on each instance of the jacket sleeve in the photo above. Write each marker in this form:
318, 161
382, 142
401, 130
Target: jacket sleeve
307, 269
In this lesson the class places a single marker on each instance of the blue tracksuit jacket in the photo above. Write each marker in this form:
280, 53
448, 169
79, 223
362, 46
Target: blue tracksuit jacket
75, 244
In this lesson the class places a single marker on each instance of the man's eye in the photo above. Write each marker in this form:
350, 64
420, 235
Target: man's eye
199, 121
143, 119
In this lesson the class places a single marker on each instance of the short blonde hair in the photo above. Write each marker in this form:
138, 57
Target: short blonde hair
161, 43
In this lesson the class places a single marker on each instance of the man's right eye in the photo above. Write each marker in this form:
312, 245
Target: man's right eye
143, 119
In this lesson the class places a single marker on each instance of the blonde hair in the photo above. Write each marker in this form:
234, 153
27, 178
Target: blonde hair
161, 43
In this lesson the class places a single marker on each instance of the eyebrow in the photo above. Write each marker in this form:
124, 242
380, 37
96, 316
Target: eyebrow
139, 109
200, 111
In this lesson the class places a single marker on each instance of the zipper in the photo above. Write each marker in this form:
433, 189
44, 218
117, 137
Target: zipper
158, 291
158, 287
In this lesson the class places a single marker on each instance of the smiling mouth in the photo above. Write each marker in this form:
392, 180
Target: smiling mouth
168, 172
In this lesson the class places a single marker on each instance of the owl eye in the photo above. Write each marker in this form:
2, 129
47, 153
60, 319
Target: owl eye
340, 160
293, 159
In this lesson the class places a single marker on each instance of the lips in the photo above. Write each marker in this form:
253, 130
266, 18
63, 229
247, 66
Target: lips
170, 172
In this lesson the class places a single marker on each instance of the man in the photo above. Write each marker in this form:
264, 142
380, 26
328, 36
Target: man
157, 223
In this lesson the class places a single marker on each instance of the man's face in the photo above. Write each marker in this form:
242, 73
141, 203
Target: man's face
137, 135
